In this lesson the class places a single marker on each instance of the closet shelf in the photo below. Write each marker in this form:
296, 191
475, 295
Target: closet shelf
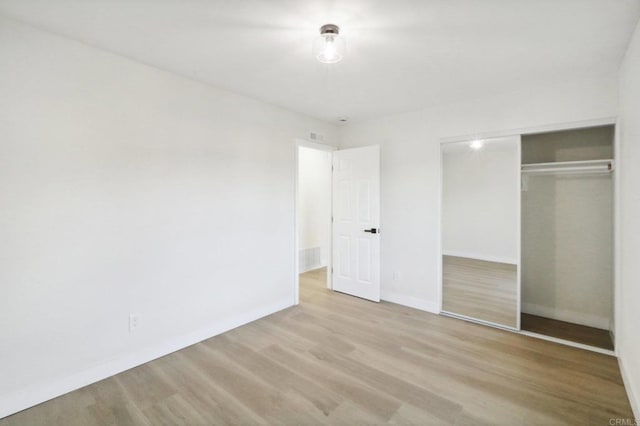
569, 167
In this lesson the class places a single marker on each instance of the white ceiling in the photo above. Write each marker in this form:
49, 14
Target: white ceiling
401, 55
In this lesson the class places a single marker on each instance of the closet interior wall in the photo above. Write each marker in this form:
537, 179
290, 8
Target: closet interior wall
567, 230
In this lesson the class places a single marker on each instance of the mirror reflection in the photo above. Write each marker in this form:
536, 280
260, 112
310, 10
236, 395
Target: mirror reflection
480, 243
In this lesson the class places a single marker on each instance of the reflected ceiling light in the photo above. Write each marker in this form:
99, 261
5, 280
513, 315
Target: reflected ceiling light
329, 47
476, 144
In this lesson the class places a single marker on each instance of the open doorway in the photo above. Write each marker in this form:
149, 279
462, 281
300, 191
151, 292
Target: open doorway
337, 237
313, 217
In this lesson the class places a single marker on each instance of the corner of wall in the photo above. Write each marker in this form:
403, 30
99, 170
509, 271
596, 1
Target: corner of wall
633, 393
627, 342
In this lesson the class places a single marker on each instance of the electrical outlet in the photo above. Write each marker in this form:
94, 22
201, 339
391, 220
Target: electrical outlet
134, 322
397, 276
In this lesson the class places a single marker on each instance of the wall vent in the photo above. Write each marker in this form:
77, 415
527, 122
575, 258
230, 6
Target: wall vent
315, 137
310, 258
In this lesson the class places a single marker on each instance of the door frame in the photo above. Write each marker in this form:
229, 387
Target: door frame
604, 121
302, 143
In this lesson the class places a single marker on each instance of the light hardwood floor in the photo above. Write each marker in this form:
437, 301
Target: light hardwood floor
336, 359
479, 289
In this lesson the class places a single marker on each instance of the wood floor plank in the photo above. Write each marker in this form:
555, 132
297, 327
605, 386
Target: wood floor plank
366, 398
205, 394
412, 395
271, 372
567, 331
340, 360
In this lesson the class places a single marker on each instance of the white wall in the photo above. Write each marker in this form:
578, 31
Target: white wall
126, 189
480, 200
314, 206
411, 171
627, 339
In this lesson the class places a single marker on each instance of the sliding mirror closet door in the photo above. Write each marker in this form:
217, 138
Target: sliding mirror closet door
481, 230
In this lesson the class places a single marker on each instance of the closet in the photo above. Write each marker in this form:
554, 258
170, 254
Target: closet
567, 234
528, 233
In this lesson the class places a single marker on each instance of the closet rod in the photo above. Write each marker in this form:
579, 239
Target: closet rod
593, 169
569, 167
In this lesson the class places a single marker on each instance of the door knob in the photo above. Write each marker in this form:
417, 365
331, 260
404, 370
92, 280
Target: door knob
372, 230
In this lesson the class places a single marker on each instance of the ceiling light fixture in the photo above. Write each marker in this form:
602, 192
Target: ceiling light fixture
476, 144
329, 47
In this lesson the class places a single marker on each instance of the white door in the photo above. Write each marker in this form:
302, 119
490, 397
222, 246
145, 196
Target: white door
356, 222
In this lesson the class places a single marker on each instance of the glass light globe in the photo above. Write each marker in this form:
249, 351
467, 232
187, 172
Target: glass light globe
329, 48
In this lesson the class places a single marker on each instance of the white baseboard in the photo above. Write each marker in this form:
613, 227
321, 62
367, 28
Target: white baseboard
312, 268
476, 256
41, 392
633, 391
567, 315
410, 301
